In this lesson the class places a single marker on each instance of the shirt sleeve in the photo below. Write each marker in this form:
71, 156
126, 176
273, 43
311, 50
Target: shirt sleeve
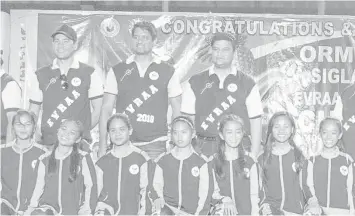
143, 183
11, 96
36, 94
85, 208
111, 86
311, 196
96, 89
350, 185
203, 188
174, 86
338, 109
253, 103
188, 99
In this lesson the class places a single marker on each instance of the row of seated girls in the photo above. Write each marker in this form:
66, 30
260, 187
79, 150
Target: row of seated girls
280, 181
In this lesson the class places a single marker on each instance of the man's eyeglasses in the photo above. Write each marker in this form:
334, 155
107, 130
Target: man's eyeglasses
65, 85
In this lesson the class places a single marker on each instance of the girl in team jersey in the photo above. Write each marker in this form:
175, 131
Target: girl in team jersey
281, 165
235, 173
329, 180
181, 176
122, 173
66, 176
19, 160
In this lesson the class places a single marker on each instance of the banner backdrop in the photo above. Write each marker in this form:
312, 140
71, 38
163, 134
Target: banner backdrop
301, 63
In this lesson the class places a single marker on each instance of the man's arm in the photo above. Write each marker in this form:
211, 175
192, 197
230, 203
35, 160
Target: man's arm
11, 99
108, 103
96, 92
174, 93
36, 99
188, 100
255, 111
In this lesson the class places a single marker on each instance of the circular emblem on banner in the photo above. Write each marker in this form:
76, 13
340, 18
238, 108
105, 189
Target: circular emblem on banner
134, 169
76, 81
33, 164
344, 170
153, 75
232, 87
294, 167
195, 171
247, 172
110, 27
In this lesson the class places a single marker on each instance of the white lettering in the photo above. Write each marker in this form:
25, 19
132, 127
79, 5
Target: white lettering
145, 95
69, 101
130, 108
61, 107
50, 123
76, 94
55, 115
204, 125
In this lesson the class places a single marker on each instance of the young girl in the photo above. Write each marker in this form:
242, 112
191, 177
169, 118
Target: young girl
330, 175
19, 160
122, 173
235, 174
281, 168
181, 175
65, 176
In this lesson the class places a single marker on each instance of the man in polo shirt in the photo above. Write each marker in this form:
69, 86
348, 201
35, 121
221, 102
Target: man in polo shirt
221, 90
66, 89
10, 103
142, 87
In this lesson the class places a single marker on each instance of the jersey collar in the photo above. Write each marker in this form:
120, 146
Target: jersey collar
74, 65
131, 59
211, 71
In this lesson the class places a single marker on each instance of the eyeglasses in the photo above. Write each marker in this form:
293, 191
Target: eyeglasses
65, 85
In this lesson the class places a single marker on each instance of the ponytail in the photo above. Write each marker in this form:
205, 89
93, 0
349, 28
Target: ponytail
52, 162
74, 163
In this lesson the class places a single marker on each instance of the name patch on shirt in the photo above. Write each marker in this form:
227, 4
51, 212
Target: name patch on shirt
134, 169
344, 170
218, 111
195, 171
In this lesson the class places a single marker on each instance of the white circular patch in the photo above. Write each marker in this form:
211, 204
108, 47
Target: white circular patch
195, 171
33, 164
344, 170
76, 81
110, 27
153, 75
232, 87
247, 172
134, 169
294, 167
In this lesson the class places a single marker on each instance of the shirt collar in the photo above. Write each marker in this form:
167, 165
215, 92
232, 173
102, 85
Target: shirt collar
74, 65
131, 59
211, 70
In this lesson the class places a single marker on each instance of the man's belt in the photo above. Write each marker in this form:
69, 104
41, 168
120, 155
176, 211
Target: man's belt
207, 138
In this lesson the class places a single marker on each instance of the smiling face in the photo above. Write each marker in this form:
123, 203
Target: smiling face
69, 133
232, 133
282, 129
182, 134
330, 134
142, 41
119, 132
23, 126
63, 46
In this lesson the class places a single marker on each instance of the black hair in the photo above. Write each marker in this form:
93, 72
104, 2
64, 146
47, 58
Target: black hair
220, 155
74, 156
299, 158
148, 26
121, 116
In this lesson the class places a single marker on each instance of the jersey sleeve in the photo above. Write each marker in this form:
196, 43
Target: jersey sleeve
111, 86
174, 86
188, 99
253, 103
36, 94
203, 188
11, 96
96, 89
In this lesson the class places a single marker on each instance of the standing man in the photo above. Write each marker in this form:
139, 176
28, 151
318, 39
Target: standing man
66, 89
221, 90
10, 103
142, 87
